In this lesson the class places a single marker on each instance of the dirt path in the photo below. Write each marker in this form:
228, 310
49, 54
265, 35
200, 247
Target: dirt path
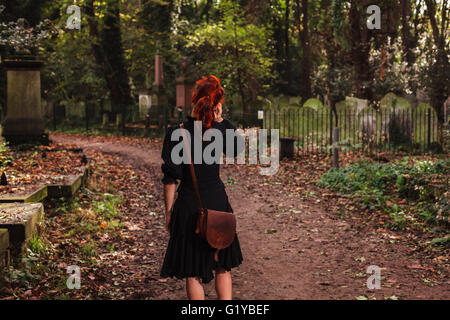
293, 248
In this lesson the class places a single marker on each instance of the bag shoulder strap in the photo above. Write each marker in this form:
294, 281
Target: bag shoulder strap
191, 167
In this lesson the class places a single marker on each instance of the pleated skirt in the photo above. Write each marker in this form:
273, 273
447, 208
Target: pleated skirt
188, 255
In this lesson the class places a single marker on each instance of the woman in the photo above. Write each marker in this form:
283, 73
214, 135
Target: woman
187, 255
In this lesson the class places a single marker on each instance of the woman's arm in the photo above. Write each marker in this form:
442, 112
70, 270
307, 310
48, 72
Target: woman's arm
171, 172
169, 196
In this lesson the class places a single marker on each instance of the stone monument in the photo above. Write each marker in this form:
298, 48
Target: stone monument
185, 86
24, 122
158, 93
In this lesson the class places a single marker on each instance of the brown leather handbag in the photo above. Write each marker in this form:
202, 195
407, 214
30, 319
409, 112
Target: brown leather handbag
218, 228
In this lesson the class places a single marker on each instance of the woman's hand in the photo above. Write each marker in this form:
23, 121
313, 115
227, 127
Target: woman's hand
168, 215
218, 113
169, 196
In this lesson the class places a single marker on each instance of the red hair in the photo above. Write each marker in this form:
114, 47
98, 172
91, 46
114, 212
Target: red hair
207, 95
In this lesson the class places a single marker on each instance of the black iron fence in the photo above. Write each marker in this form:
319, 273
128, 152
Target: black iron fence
128, 120
369, 130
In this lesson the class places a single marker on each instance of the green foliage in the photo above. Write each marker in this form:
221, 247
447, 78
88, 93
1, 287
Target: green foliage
445, 241
4, 157
375, 184
235, 51
31, 268
107, 207
255, 47
70, 72
38, 245
398, 218
156, 16
89, 250
338, 20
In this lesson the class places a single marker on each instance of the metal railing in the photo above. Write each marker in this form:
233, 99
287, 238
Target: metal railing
369, 130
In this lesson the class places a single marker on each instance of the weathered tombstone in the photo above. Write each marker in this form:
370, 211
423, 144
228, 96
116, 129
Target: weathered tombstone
145, 103
422, 96
105, 119
313, 103
295, 101
348, 106
118, 120
158, 93
356, 104
24, 122
400, 126
315, 119
368, 126
396, 121
4, 249
22, 220
425, 127
75, 110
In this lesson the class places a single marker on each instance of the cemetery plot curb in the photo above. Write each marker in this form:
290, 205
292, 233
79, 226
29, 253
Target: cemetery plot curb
69, 189
22, 221
35, 196
4, 248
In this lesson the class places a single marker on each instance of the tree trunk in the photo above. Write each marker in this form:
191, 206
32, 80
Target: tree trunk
207, 9
286, 31
438, 87
360, 53
239, 71
108, 53
405, 9
305, 79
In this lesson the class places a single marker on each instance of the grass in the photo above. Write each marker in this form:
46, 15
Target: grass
39, 246
107, 206
80, 224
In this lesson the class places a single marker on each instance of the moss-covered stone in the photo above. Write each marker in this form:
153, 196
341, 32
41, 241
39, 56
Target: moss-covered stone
22, 220
70, 188
34, 196
4, 240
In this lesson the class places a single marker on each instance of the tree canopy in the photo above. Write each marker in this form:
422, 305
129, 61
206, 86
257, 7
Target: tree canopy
257, 47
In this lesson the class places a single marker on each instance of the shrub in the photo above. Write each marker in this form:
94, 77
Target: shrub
424, 182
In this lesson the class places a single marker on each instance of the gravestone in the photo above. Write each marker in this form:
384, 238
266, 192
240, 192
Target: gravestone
368, 126
24, 122
396, 121
22, 220
145, 103
105, 119
4, 249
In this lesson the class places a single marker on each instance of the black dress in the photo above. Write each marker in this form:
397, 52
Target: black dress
187, 255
